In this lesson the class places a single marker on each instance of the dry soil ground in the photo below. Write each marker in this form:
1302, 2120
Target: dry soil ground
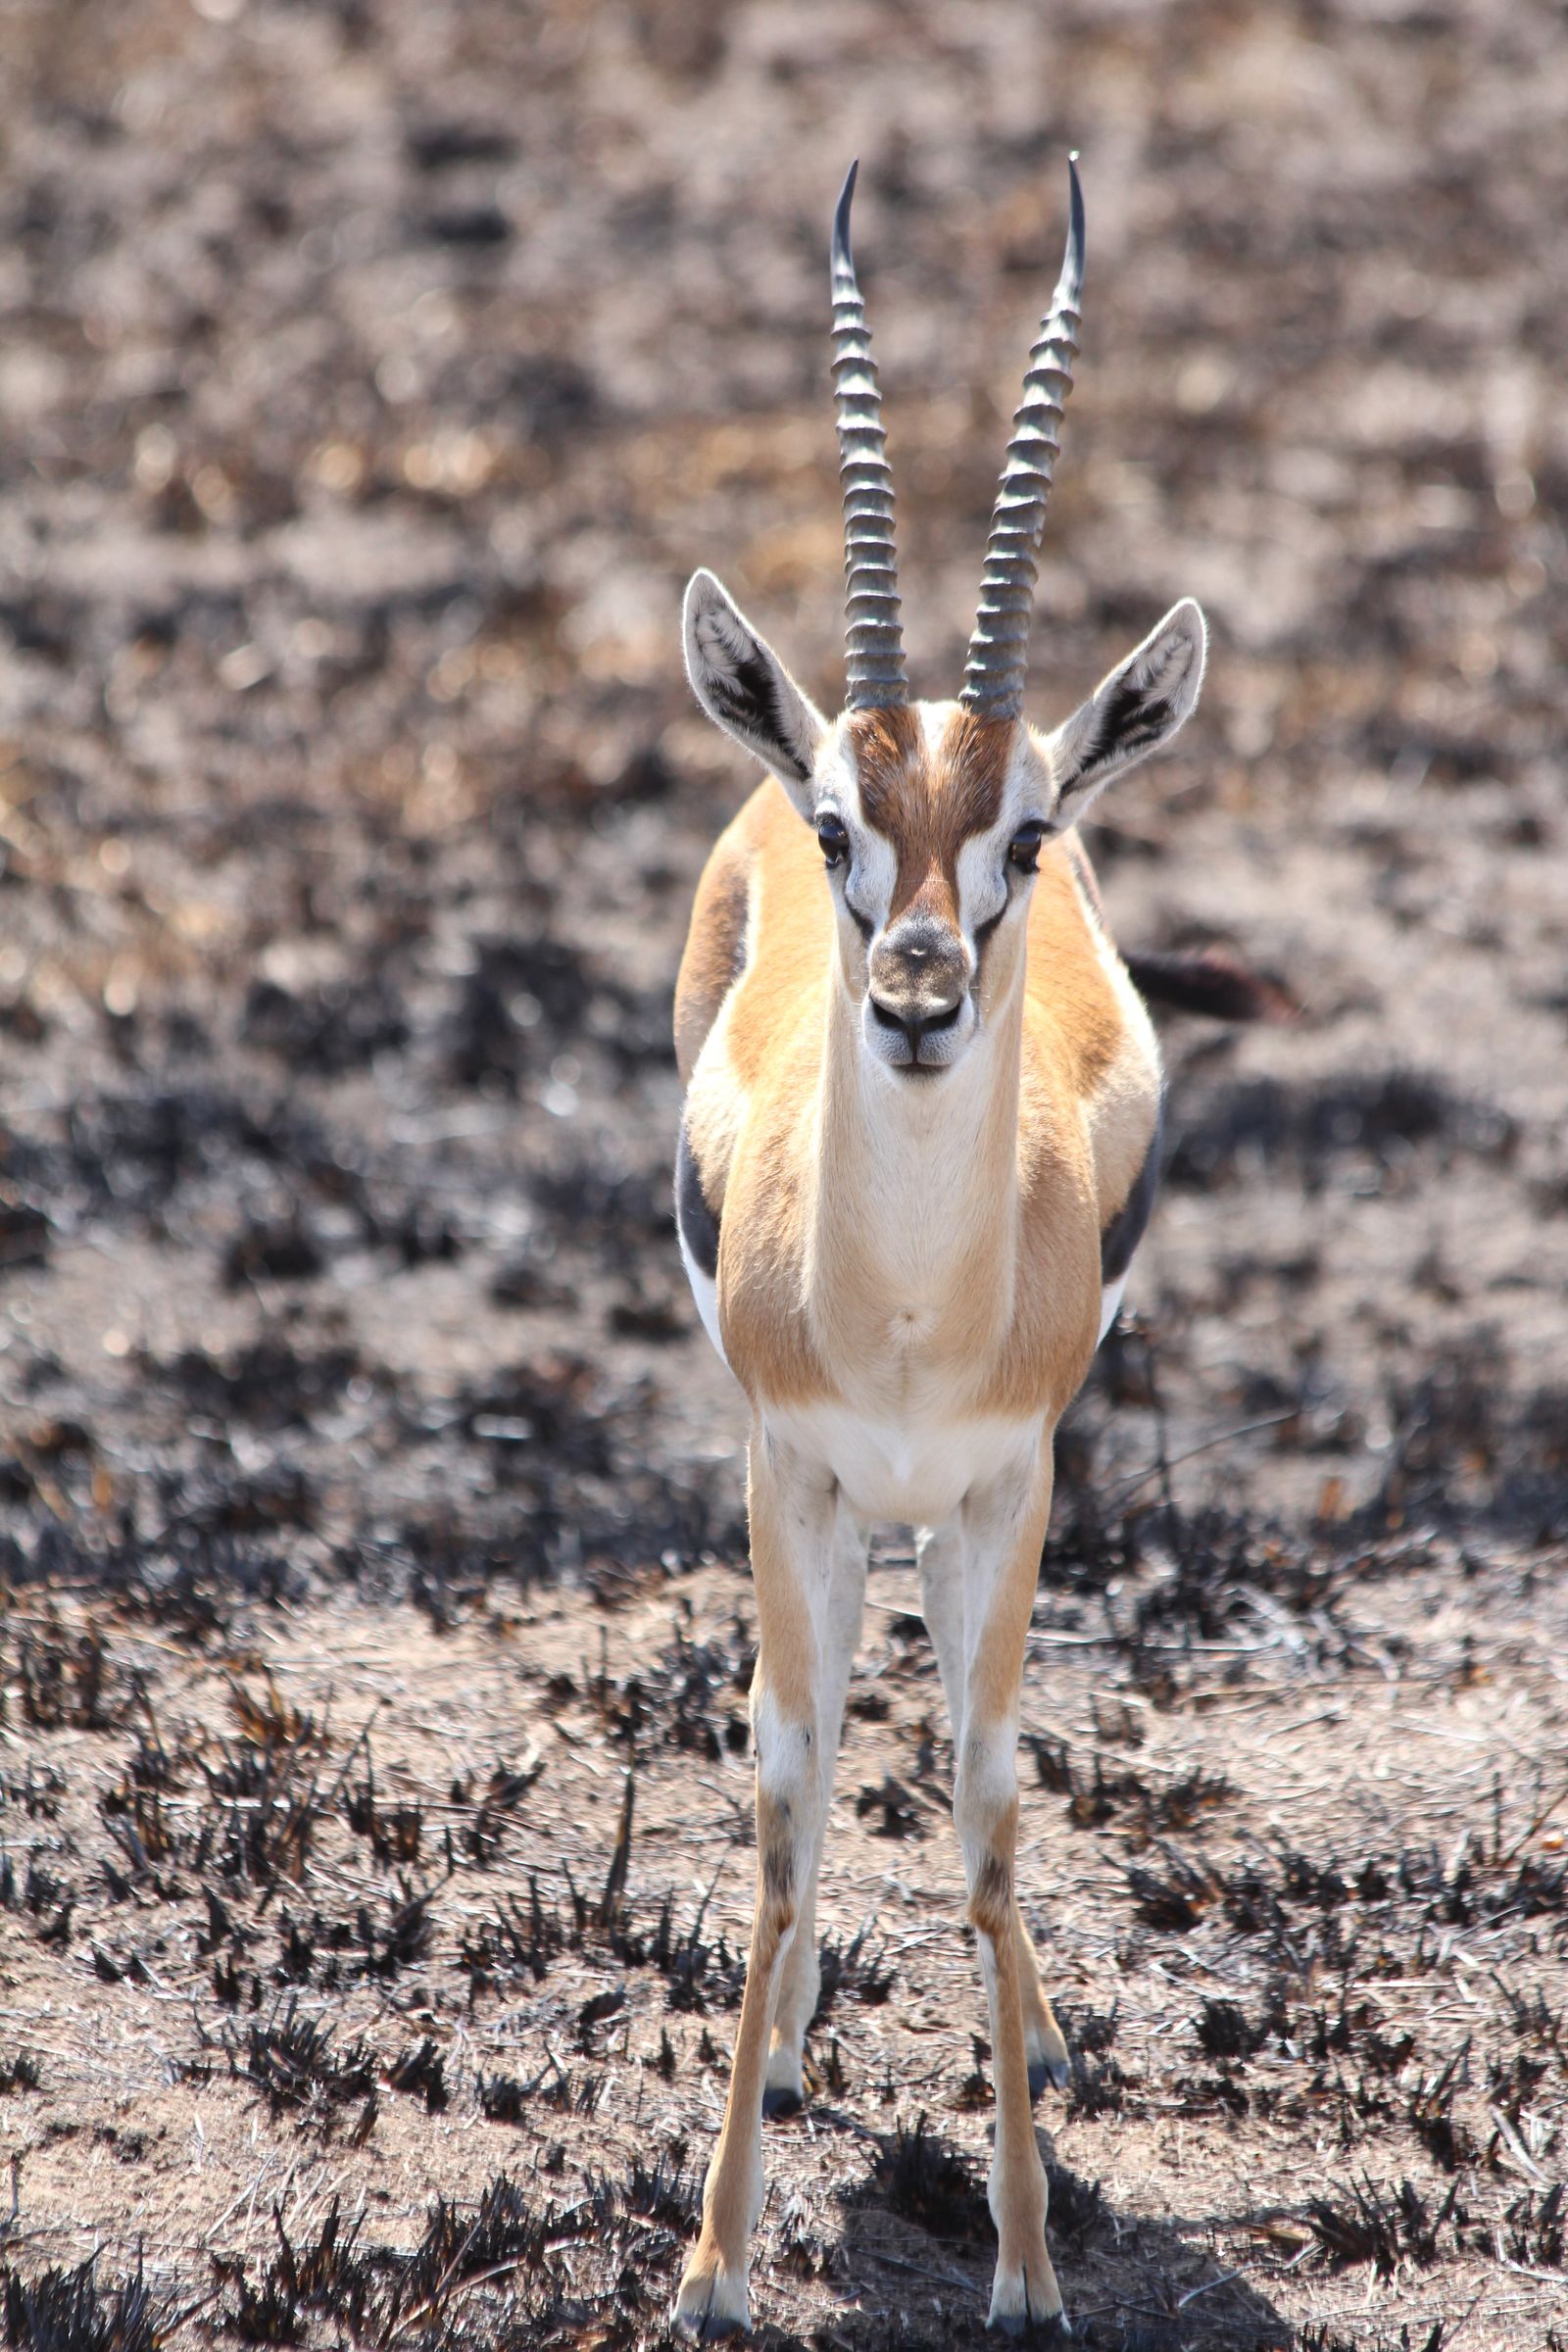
373, 1748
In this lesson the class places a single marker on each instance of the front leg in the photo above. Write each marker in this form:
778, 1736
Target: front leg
801, 1976
940, 1552
792, 1520
1003, 1527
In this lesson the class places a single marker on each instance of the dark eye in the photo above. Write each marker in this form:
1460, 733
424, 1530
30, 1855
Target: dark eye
1023, 850
832, 838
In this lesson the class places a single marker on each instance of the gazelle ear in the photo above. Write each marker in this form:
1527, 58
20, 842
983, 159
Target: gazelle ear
1140, 705
745, 689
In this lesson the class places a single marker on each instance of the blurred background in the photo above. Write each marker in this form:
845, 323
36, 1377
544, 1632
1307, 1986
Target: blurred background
371, 378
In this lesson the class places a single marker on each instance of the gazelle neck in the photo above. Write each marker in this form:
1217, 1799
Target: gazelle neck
918, 1178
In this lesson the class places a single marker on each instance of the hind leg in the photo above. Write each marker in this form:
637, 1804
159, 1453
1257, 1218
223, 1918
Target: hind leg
1003, 1525
1042, 2036
940, 1560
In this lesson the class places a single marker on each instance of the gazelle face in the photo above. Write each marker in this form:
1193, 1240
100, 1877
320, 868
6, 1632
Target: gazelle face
929, 821
930, 817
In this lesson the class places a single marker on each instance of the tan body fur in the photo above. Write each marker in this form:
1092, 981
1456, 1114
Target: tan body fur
1007, 1269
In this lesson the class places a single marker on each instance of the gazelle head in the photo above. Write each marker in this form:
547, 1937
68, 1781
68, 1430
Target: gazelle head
930, 815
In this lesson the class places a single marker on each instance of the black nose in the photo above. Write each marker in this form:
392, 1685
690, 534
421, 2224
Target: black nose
914, 1026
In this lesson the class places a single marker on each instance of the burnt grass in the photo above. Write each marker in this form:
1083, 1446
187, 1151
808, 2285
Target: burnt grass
402, 1950
374, 1628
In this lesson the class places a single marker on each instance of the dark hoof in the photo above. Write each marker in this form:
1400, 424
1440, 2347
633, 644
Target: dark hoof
778, 2103
1041, 2071
1018, 2324
706, 2325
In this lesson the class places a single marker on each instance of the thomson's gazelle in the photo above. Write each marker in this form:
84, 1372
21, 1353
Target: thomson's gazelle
918, 1149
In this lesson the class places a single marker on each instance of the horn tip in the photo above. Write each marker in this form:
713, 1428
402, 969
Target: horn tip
840, 219
1075, 218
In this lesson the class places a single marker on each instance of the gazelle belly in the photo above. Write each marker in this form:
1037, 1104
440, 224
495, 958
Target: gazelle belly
915, 1464
917, 1468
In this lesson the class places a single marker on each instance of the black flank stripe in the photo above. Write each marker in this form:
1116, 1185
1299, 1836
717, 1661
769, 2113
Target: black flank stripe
699, 1227
1125, 1231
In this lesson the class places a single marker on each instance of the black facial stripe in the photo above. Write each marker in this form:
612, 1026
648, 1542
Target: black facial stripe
863, 923
1125, 1230
698, 1225
749, 698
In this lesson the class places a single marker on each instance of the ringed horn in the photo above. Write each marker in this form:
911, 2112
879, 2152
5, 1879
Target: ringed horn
993, 675
873, 638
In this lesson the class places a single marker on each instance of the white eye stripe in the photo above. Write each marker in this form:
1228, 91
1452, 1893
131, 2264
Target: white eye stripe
983, 892
870, 872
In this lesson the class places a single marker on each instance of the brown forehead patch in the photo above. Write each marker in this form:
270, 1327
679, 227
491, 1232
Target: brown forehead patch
929, 807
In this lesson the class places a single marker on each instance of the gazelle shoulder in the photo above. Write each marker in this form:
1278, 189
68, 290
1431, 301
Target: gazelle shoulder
1079, 1004
718, 939
759, 940
1090, 1043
